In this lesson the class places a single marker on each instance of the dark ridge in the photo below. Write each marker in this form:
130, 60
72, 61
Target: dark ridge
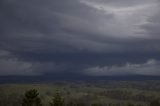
71, 77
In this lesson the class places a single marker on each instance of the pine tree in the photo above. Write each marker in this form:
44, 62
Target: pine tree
31, 98
57, 100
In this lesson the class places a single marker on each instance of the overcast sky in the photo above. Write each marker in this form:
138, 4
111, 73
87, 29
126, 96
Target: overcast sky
85, 37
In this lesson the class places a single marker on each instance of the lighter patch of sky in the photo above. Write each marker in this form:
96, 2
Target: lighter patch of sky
126, 19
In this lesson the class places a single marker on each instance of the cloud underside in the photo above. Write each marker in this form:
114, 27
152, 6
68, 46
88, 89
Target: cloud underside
92, 37
151, 67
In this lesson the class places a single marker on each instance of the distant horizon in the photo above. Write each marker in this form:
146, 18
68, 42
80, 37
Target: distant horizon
45, 78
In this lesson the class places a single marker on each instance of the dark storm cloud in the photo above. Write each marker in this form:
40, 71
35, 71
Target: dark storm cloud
51, 36
51, 24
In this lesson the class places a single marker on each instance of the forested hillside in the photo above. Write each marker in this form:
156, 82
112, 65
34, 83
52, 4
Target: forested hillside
82, 93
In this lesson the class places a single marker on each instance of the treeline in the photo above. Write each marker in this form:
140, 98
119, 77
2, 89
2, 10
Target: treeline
127, 95
33, 98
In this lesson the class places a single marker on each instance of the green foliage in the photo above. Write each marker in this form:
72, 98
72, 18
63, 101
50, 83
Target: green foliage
57, 100
138, 105
80, 93
31, 98
96, 104
155, 103
130, 104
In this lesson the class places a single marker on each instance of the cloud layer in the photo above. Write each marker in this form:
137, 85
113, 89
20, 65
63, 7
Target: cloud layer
151, 67
50, 36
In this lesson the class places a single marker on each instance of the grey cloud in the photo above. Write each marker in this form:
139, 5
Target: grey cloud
151, 28
51, 36
151, 67
13, 66
121, 3
54, 26
35, 25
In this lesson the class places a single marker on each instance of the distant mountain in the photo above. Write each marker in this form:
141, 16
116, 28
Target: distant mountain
70, 77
